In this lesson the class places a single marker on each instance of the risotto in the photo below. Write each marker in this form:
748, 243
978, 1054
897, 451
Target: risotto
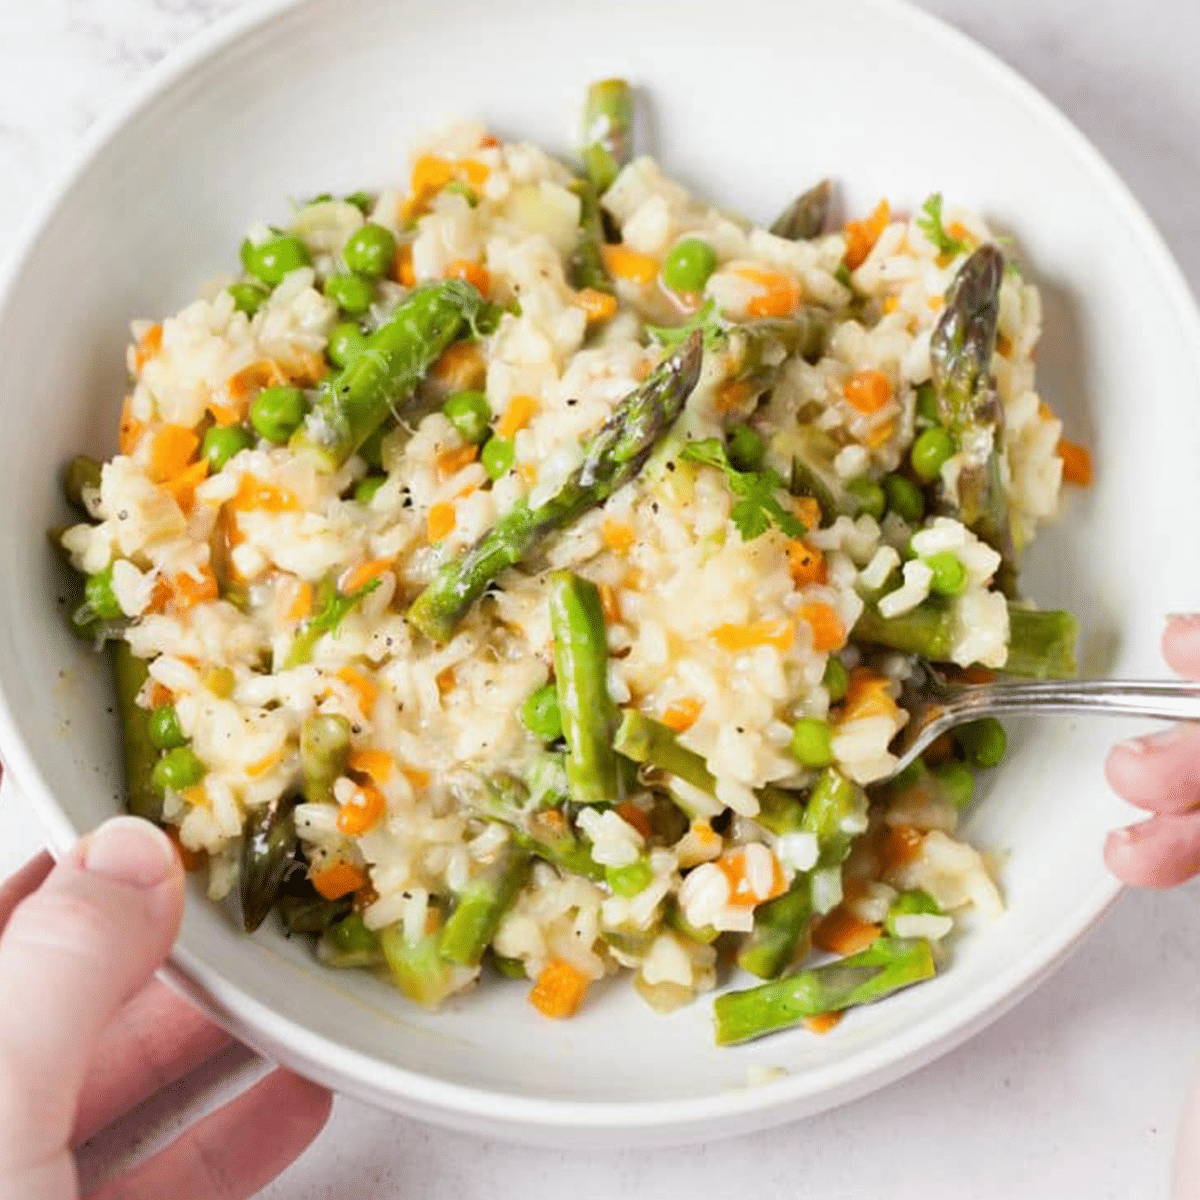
521, 573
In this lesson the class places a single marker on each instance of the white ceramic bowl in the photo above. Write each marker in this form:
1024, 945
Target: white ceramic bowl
749, 104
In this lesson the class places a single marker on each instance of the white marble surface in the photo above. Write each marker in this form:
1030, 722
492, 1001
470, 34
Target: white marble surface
1076, 1092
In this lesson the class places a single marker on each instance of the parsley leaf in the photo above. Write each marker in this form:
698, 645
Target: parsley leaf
704, 318
931, 226
757, 508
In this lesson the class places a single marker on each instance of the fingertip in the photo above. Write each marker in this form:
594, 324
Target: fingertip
1181, 644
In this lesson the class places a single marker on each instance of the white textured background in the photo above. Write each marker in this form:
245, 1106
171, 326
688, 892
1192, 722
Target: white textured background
1074, 1094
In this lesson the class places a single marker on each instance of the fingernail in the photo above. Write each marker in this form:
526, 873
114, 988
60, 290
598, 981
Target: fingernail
1153, 741
1184, 618
131, 851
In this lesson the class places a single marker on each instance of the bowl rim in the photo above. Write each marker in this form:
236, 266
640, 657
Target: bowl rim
358, 1074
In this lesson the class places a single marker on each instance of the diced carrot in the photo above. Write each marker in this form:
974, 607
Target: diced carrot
552, 819
225, 414
148, 346
357, 816
881, 433
191, 860
376, 764
806, 564
430, 174
936, 303
476, 274
451, 461
900, 846
190, 591
488, 141
867, 391
559, 989
338, 880
629, 264
683, 714
823, 1022
779, 294
807, 511
183, 486
402, 266
263, 373
445, 680
732, 395
131, 429
302, 601
1046, 412
461, 367
841, 932
599, 306
441, 521
473, 171
618, 536
364, 688
418, 778
632, 815
779, 634
172, 448
256, 494
1004, 345
610, 605
359, 576
891, 303
868, 694
159, 694
742, 891
160, 597
528, 474
1077, 463
828, 632
957, 230
861, 236
264, 764
517, 415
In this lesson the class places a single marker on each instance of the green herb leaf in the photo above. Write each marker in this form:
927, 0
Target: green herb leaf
757, 508
704, 318
931, 226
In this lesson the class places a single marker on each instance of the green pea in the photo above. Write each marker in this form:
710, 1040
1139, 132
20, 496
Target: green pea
629, 881
949, 574
746, 448
913, 903
812, 742
164, 728
931, 449
982, 743
904, 498
351, 293
927, 405
688, 265
99, 596
869, 495
222, 442
370, 251
541, 715
346, 342
497, 456
361, 200
469, 413
955, 782
836, 679
365, 489
277, 412
177, 769
351, 936
248, 296
271, 260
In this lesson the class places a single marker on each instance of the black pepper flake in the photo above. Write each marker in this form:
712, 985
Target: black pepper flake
670, 464
123, 515
741, 728
572, 402
654, 506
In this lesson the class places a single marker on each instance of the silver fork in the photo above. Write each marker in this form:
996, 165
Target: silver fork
936, 705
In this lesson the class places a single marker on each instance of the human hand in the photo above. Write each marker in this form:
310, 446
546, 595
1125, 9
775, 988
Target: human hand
85, 1034
1161, 774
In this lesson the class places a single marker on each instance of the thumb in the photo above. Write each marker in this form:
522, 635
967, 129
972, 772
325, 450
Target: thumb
71, 955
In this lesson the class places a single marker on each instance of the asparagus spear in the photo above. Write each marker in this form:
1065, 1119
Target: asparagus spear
310, 913
1041, 645
382, 379
648, 741
330, 610
142, 798
481, 905
607, 131
960, 351
589, 716
268, 854
614, 456
886, 966
835, 814
324, 748
805, 217
350, 943
417, 968
585, 268
779, 928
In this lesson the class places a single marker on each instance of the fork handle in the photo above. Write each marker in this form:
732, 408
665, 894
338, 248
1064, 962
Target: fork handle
1159, 700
